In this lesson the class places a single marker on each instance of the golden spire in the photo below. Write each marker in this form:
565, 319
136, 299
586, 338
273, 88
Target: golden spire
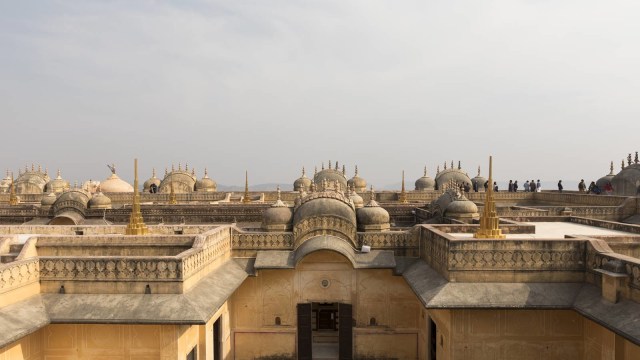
246, 199
489, 221
136, 223
172, 193
403, 193
13, 199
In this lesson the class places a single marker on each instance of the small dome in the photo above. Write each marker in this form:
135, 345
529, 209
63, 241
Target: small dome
74, 200
357, 200
100, 201
452, 174
425, 182
57, 185
183, 181
303, 181
5, 183
461, 206
113, 184
372, 217
152, 180
356, 182
49, 199
32, 181
330, 176
91, 186
278, 217
206, 184
627, 181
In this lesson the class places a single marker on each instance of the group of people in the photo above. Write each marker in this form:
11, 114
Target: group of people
594, 188
528, 186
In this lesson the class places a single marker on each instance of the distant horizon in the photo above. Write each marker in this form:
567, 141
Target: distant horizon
548, 88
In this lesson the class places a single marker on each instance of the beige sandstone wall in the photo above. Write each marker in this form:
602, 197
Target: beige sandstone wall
27, 348
373, 293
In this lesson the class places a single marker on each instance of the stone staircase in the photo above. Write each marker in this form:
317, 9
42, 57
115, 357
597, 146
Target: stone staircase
14, 251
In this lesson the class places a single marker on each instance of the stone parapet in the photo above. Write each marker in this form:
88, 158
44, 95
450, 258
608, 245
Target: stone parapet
18, 273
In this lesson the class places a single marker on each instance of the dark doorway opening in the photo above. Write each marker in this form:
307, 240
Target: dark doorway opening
325, 331
433, 339
217, 340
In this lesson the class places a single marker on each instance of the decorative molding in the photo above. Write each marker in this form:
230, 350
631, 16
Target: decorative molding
324, 225
18, 273
271, 241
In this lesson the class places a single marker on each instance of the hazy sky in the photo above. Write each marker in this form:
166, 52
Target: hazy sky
550, 88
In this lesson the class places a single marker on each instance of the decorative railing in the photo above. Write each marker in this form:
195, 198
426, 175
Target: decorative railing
100, 268
262, 241
18, 273
207, 248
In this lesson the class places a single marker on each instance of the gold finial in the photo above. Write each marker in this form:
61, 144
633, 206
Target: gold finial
58, 176
206, 173
13, 198
136, 223
302, 172
611, 168
403, 193
246, 199
172, 193
489, 221
357, 171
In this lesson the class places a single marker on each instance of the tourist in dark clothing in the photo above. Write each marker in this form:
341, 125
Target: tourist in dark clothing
495, 187
560, 187
486, 185
510, 188
515, 186
582, 186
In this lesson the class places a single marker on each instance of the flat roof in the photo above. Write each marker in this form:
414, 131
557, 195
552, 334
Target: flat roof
546, 230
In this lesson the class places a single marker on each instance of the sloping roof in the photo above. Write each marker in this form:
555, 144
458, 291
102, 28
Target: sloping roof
21, 319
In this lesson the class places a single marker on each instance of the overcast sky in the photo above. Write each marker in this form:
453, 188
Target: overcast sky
550, 88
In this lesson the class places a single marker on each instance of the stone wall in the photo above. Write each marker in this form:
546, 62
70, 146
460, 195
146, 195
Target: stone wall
373, 293
482, 260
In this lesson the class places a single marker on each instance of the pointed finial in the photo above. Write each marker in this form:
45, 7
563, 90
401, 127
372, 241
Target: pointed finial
186, 166
459, 167
75, 184
636, 160
206, 173
46, 172
337, 166
303, 171
39, 168
372, 194
629, 159
445, 165
451, 164
315, 171
622, 164
344, 170
329, 164
438, 170
58, 176
193, 171
425, 170
478, 171
278, 191
356, 171
179, 167
166, 172
153, 172
611, 168
33, 168
246, 198
173, 168
322, 165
